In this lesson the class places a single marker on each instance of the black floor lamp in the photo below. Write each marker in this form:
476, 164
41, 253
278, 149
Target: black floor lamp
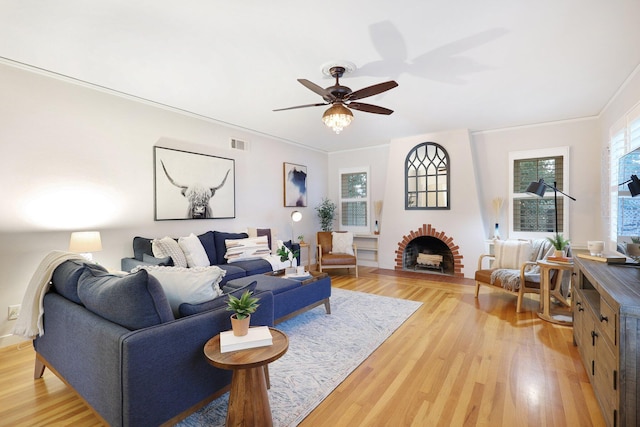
633, 184
538, 189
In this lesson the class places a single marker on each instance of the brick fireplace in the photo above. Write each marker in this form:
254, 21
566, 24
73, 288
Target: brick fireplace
428, 240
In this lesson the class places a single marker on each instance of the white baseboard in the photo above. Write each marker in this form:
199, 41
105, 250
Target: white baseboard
367, 263
8, 340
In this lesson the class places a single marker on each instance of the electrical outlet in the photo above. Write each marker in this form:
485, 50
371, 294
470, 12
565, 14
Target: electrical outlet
14, 311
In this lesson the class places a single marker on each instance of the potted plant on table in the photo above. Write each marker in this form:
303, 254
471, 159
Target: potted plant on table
286, 254
559, 244
242, 308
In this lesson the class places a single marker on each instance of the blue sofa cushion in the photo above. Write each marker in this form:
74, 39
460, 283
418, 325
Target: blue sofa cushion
65, 278
209, 245
233, 272
265, 282
187, 309
254, 266
134, 301
141, 246
221, 248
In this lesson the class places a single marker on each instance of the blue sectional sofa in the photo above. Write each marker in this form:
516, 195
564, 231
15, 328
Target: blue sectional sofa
115, 340
214, 245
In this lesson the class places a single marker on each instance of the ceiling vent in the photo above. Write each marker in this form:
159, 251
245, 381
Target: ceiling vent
239, 144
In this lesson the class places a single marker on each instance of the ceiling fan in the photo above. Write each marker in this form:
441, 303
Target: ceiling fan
338, 116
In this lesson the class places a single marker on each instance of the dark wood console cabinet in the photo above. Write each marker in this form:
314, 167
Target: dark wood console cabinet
606, 329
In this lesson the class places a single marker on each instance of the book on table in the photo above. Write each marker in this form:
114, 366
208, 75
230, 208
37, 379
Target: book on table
299, 276
258, 336
560, 260
609, 258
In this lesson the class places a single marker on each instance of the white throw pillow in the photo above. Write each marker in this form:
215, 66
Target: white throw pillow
511, 254
245, 249
192, 285
342, 242
194, 251
169, 247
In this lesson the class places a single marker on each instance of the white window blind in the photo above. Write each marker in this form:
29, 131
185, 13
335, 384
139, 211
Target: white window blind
354, 204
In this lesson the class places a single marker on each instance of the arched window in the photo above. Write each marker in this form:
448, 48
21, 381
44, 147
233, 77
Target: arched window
427, 177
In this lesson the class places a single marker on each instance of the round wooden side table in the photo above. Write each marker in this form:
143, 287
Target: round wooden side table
564, 318
248, 399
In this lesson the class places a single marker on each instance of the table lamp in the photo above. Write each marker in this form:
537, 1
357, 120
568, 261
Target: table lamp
85, 243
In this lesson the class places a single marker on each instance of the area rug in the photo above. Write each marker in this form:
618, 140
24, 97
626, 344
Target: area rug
323, 351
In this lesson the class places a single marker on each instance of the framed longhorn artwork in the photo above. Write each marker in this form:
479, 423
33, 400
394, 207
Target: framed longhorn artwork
192, 185
295, 185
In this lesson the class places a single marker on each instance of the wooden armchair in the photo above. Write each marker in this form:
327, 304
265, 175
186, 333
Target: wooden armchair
522, 275
328, 258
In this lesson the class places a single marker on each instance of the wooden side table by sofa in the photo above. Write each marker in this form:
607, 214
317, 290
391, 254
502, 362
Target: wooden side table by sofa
546, 293
302, 246
248, 399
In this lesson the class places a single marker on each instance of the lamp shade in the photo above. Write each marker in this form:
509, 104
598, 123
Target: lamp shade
337, 117
296, 216
634, 186
85, 242
536, 188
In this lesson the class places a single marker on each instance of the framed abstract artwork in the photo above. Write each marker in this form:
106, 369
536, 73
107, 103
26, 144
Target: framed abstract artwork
295, 185
193, 186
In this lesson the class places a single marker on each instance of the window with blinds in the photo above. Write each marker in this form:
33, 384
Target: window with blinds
354, 200
535, 214
624, 138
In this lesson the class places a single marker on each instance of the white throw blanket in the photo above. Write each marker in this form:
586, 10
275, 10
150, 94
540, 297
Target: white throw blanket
29, 323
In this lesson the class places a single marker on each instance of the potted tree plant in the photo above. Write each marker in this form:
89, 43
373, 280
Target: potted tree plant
559, 244
326, 212
242, 308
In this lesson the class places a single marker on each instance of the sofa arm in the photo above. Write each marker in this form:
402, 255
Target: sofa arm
84, 349
165, 370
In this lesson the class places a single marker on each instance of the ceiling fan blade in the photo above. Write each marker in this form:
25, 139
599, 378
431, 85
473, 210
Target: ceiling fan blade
301, 106
368, 108
371, 90
324, 93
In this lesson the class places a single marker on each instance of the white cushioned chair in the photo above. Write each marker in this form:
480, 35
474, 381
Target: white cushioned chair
514, 268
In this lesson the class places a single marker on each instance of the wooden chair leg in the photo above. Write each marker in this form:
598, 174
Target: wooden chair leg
519, 303
327, 306
38, 370
477, 288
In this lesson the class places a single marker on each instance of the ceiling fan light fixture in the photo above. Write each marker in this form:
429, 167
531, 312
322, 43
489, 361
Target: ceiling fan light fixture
337, 117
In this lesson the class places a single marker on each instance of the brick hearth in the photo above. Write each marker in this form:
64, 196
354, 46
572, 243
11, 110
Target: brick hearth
428, 230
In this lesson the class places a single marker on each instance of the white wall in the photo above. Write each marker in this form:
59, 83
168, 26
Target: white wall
74, 158
462, 221
374, 157
487, 174
491, 150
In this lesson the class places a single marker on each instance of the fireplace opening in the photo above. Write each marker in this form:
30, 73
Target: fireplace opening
434, 246
428, 254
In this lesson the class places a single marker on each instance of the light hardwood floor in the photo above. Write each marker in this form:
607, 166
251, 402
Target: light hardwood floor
457, 361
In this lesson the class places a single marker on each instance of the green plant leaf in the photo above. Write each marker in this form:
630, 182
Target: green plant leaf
243, 306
